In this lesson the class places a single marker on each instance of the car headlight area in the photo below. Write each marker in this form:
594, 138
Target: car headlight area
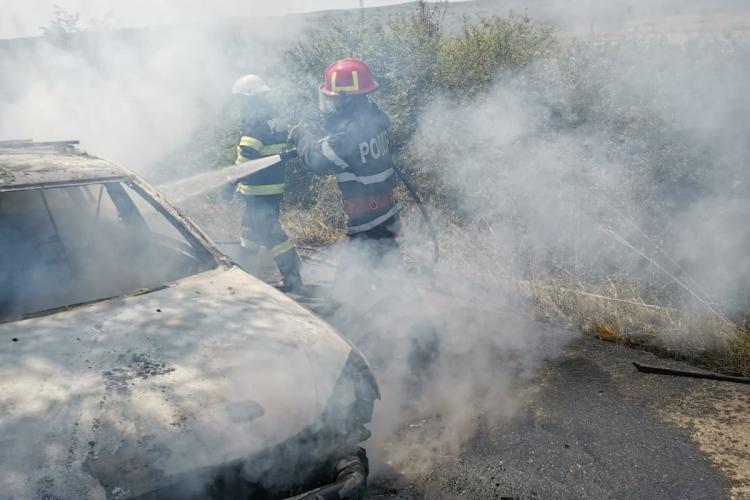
323, 461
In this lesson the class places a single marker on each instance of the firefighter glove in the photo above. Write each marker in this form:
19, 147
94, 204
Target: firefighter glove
288, 154
295, 134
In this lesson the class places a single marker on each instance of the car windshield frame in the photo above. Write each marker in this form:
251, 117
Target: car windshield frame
204, 249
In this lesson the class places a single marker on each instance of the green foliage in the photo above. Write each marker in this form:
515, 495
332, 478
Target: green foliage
415, 59
590, 95
601, 109
402, 53
468, 62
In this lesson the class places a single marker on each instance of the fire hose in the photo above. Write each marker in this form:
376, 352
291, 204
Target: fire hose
292, 153
425, 215
198, 184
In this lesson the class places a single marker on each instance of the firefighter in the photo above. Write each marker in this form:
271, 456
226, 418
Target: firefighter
356, 149
261, 135
354, 146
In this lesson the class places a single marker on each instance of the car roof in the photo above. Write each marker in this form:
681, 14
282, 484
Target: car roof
28, 165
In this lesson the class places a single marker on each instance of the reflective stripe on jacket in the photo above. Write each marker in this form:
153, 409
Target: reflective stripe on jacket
259, 139
251, 148
357, 151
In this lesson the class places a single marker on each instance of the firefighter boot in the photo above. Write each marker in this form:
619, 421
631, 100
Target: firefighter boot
250, 257
289, 265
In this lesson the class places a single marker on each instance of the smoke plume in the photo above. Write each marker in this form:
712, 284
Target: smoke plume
618, 164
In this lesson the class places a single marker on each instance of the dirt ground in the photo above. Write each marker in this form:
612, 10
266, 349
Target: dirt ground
593, 427
718, 421
590, 426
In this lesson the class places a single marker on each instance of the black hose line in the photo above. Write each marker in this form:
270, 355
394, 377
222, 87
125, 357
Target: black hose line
684, 373
425, 215
417, 200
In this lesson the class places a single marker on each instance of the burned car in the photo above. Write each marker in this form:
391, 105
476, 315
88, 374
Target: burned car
139, 362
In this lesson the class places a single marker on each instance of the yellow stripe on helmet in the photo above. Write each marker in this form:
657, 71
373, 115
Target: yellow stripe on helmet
354, 87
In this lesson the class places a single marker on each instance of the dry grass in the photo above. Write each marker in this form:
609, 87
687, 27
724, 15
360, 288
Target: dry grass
697, 336
323, 222
609, 307
735, 359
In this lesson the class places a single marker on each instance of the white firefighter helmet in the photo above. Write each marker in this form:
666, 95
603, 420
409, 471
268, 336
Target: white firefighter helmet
250, 85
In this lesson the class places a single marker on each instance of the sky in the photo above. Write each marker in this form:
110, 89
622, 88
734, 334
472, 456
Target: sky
24, 17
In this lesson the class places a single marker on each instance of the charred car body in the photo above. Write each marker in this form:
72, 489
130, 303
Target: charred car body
138, 361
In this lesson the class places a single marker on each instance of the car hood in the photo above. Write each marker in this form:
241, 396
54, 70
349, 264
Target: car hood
108, 398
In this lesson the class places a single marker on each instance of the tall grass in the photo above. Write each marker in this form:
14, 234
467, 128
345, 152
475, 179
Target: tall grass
617, 288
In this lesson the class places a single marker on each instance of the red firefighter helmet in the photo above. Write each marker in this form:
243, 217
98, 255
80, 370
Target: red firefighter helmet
347, 77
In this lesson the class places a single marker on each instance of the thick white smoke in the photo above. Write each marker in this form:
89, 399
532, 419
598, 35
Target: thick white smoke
131, 96
549, 161
450, 353
22, 18
611, 159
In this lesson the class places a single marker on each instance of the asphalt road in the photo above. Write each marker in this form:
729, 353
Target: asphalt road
590, 426
593, 428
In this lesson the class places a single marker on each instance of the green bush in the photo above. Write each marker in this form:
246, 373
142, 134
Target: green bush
665, 166
468, 62
594, 121
402, 53
415, 60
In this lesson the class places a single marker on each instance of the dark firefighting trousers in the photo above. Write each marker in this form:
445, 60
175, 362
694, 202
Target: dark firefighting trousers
261, 228
375, 298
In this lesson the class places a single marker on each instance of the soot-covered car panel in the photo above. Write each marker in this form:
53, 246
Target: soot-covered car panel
192, 380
